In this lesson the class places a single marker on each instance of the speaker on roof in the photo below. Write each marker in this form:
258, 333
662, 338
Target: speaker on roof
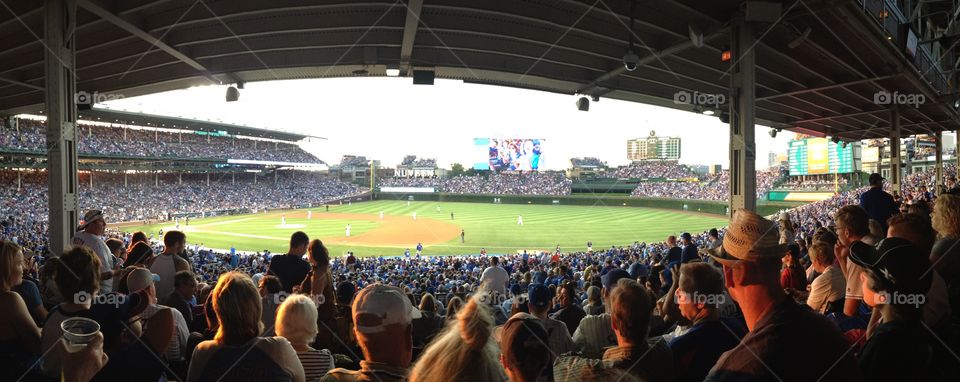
423, 77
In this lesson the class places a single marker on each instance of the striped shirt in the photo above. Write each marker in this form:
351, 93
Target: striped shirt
369, 371
653, 363
315, 363
593, 334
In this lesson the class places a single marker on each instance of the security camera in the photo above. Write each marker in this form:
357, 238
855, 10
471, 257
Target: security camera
631, 61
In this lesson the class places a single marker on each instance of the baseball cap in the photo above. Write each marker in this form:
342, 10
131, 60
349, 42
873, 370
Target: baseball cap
610, 279
685, 235
521, 334
378, 305
638, 270
900, 264
515, 289
875, 178
345, 292
539, 295
141, 278
90, 217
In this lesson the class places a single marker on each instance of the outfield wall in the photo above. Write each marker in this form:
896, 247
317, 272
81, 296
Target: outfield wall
703, 206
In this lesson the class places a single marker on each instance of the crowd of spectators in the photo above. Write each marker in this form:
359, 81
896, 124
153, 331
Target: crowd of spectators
715, 187
802, 297
827, 183
652, 169
114, 140
526, 183
143, 197
413, 161
589, 162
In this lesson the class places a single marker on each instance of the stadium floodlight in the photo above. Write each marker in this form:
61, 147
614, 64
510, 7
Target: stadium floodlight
232, 94
393, 70
708, 111
583, 104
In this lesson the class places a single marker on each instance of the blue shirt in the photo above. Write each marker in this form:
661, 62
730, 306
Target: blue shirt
689, 253
697, 350
880, 205
29, 292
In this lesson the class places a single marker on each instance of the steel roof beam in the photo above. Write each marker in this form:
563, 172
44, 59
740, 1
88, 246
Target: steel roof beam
105, 14
411, 24
19, 83
596, 83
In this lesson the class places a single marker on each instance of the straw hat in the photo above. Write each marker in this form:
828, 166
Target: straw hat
749, 237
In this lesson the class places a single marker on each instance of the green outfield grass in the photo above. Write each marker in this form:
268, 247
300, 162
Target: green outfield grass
492, 226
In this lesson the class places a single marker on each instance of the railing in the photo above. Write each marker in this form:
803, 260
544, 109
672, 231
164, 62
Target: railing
890, 18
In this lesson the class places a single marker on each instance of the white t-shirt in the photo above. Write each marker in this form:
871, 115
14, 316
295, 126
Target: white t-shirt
164, 266
495, 278
828, 287
96, 244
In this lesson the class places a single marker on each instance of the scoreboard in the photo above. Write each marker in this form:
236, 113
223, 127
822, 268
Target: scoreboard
814, 156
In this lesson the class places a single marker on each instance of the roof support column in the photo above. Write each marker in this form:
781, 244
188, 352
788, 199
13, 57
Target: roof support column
743, 181
61, 111
938, 183
896, 160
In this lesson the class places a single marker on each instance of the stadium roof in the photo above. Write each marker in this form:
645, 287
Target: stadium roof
820, 64
151, 120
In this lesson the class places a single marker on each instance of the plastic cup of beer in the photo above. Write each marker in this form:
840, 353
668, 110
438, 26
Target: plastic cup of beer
78, 332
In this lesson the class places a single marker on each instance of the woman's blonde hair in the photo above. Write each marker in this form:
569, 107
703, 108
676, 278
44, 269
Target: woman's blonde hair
297, 319
236, 302
593, 295
453, 306
464, 351
428, 303
946, 216
10, 254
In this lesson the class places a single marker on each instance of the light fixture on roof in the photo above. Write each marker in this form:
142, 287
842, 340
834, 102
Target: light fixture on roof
631, 60
583, 104
393, 70
835, 140
232, 94
773, 133
708, 111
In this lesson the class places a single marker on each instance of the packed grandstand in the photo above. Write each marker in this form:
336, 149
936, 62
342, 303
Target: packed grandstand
567, 288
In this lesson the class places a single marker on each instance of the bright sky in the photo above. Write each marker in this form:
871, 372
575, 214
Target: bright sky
387, 118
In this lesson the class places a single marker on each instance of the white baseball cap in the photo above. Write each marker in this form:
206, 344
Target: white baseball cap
378, 305
141, 278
